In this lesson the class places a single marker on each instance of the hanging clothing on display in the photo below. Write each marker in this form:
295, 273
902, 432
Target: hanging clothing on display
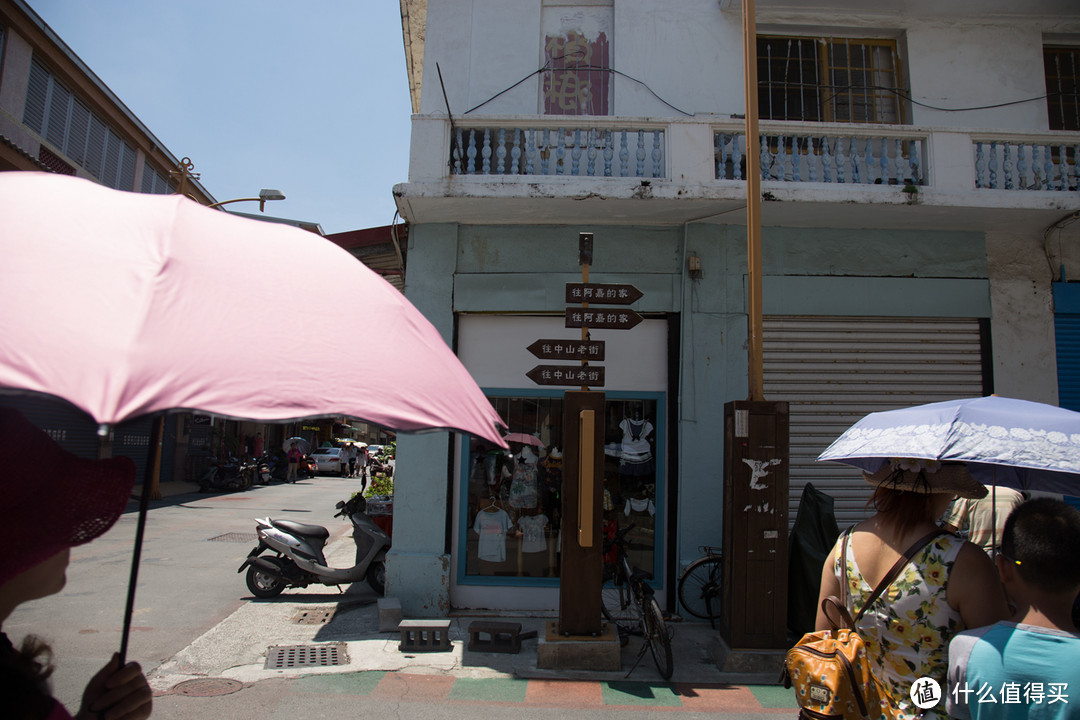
524, 492
532, 529
491, 525
636, 458
639, 506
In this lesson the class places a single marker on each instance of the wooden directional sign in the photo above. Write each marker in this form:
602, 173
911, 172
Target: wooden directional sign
589, 375
568, 349
602, 293
601, 319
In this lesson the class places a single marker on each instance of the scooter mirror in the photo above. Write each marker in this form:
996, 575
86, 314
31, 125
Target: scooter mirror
341, 504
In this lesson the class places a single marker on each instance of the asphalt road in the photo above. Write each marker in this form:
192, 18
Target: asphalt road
187, 579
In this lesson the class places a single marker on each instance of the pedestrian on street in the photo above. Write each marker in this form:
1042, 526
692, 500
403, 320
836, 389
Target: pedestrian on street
350, 453
293, 457
947, 586
52, 501
363, 460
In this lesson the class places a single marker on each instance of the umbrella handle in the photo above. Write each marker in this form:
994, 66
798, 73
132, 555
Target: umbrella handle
140, 528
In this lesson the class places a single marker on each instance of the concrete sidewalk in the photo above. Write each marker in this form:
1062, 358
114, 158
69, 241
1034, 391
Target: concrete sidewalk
235, 652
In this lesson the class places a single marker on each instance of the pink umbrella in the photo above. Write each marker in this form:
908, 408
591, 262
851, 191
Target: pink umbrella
524, 438
127, 304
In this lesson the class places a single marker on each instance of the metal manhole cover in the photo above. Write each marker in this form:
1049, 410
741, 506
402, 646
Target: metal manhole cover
315, 616
207, 687
291, 656
236, 537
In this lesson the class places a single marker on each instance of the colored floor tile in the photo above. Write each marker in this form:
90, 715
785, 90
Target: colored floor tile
564, 693
356, 683
639, 693
489, 689
408, 686
774, 696
726, 698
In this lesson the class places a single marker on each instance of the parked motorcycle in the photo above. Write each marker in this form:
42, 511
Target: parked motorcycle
298, 560
270, 468
227, 475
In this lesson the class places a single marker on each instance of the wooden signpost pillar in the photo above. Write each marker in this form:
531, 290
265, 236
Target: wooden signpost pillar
582, 550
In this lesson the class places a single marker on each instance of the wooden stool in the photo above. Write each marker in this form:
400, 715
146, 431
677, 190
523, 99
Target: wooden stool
424, 635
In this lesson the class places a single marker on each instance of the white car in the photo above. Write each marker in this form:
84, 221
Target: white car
331, 460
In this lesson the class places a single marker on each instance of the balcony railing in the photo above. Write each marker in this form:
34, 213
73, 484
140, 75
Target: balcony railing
825, 153
577, 152
1029, 164
812, 156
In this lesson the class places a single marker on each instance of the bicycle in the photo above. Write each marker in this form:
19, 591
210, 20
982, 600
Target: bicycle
701, 585
629, 605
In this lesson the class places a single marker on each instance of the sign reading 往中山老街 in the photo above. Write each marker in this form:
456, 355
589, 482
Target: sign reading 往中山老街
564, 349
591, 375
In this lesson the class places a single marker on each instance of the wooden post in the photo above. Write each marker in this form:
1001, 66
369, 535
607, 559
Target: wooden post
753, 204
582, 548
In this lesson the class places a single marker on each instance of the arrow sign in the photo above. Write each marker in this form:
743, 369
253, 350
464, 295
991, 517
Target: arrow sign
602, 293
601, 319
568, 349
591, 375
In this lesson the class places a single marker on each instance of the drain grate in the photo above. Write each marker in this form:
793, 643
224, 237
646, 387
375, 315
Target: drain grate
291, 656
236, 537
315, 616
207, 687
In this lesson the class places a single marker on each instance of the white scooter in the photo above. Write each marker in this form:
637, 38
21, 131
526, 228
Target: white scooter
298, 559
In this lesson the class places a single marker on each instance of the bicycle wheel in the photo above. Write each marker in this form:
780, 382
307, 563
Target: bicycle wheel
656, 635
617, 607
701, 586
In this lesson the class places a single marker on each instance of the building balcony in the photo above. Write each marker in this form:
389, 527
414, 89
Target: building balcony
591, 170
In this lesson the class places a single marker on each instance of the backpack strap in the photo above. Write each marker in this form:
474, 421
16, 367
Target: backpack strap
894, 571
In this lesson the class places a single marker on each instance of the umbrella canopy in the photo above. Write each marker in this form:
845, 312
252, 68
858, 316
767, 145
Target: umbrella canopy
1004, 441
301, 444
524, 438
127, 304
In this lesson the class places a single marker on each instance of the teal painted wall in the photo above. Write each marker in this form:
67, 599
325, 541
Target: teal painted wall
808, 272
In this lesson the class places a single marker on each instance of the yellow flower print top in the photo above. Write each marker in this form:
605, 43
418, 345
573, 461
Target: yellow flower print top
908, 628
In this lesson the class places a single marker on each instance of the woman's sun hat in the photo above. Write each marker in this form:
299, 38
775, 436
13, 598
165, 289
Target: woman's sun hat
927, 476
51, 499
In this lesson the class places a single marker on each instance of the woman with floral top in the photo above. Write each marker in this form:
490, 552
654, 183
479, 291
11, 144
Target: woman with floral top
949, 584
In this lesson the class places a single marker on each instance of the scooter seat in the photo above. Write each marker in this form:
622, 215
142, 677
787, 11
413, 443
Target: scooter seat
317, 532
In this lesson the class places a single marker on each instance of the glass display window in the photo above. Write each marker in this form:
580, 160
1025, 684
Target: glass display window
511, 500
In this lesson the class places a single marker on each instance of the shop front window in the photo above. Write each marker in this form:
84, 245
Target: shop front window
512, 499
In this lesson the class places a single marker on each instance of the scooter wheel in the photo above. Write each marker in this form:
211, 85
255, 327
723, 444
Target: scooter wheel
376, 577
262, 584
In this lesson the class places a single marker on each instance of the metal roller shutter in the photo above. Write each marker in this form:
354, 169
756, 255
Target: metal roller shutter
834, 370
1067, 338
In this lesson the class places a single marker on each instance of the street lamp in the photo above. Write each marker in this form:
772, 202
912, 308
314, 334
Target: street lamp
264, 195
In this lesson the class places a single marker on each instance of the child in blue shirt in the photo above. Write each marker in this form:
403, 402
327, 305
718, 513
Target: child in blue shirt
1028, 669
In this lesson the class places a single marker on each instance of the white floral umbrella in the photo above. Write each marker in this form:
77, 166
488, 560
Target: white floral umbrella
1004, 441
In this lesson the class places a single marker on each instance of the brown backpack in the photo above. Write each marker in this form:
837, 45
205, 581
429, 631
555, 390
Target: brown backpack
830, 670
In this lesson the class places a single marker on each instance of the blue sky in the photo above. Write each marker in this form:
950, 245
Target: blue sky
310, 98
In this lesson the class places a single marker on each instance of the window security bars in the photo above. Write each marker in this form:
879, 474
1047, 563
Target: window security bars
1062, 65
829, 80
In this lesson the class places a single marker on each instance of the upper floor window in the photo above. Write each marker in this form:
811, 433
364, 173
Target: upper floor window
577, 60
1062, 66
68, 124
829, 80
